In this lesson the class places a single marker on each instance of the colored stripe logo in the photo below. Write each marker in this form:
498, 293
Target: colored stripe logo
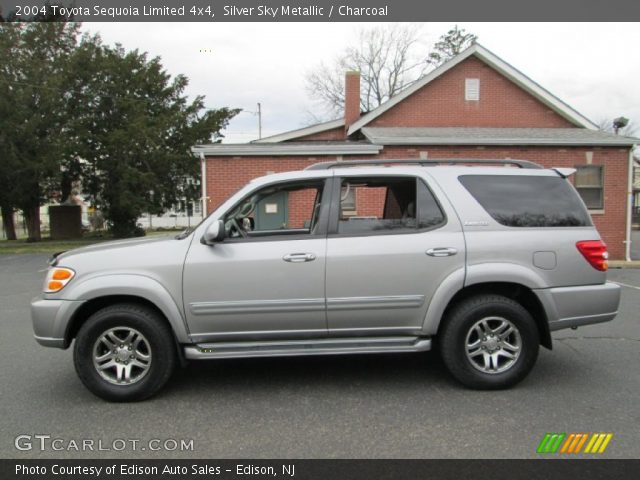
574, 443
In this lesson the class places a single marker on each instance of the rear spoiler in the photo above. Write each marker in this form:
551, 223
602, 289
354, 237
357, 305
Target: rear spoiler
565, 172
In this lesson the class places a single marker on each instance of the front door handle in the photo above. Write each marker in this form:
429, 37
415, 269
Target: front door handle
441, 252
299, 257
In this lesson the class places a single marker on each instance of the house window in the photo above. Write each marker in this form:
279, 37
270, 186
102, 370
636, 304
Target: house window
472, 89
589, 182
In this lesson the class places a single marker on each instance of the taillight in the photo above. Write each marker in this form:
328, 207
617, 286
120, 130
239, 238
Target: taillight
595, 251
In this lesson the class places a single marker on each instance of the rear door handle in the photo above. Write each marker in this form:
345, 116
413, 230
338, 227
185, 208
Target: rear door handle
299, 257
441, 252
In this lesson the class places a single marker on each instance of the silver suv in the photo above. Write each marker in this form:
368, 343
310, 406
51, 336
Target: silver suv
482, 262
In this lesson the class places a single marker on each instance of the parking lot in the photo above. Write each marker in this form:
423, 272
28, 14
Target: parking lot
378, 406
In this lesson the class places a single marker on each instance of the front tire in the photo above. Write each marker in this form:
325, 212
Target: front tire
124, 353
489, 342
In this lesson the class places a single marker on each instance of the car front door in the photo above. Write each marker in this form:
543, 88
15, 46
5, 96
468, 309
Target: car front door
390, 245
262, 282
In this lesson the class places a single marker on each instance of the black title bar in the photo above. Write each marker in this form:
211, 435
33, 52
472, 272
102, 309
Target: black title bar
321, 10
319, 469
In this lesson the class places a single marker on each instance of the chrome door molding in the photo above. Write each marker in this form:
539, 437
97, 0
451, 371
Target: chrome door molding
258, 306
384, 301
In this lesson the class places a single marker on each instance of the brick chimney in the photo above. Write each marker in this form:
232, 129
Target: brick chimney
351, 98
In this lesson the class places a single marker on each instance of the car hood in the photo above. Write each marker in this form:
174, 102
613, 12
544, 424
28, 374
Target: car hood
116, 245
159, 258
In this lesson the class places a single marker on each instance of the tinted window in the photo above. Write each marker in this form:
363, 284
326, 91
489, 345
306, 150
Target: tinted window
429, 212
528, 201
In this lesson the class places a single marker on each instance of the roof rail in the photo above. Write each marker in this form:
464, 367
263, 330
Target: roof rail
422, 163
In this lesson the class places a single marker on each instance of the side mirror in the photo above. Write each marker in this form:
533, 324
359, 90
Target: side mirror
214, 233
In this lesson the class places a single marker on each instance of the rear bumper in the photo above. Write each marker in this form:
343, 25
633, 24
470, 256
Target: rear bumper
568, 307
50, 320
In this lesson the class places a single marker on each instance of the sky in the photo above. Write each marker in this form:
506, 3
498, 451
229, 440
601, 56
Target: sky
591, 66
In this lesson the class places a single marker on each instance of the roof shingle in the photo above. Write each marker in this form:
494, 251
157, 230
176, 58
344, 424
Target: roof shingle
494, 136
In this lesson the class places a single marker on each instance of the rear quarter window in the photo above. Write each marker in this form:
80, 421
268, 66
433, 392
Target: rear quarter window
528, 201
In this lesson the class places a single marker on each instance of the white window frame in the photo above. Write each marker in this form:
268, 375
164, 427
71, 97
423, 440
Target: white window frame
472, 89
592, 187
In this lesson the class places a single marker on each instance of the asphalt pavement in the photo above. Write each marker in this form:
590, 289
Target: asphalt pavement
369, 406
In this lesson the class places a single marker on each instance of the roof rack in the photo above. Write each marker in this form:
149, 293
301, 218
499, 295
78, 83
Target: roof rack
423, 163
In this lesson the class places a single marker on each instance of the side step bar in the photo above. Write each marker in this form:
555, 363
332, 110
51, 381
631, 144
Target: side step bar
323, 346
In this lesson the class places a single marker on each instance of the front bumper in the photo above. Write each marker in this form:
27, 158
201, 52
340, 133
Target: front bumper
50, 320
568, 307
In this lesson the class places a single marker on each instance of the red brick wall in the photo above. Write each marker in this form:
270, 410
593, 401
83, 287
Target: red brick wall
227, 175
300, 207
441, 103
370, 201
333, 134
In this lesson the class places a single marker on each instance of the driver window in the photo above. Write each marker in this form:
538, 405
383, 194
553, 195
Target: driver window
282, 209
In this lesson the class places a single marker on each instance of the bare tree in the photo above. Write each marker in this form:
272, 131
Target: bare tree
389, 58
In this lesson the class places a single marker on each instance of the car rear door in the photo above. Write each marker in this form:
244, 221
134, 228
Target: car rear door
386, 258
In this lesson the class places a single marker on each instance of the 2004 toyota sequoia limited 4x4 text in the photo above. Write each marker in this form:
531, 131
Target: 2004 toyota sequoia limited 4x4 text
482, 262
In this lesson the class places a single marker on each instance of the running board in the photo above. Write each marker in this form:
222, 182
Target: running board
291, 348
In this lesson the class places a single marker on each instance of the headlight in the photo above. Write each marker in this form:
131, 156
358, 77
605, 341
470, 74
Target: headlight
57, 278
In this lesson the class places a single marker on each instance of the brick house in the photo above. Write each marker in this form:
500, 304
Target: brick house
474, 106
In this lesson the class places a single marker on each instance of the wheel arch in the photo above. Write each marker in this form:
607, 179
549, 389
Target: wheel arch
88, 308
518, 292
100, 291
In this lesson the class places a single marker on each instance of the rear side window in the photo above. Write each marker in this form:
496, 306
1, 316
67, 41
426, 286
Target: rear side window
378, 204
386, 204
528, 201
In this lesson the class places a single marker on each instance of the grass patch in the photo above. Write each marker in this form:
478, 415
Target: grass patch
52, 246
45, 246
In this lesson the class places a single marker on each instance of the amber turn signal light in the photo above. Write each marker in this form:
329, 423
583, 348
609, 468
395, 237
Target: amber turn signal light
57, 278
54, 286
60, 274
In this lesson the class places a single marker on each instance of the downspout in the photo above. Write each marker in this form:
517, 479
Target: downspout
627, 248
203, 184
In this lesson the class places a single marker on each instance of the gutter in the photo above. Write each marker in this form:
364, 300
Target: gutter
473, 141
281, 149
627, 247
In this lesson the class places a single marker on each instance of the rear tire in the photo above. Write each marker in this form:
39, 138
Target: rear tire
124, 352
489, 342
